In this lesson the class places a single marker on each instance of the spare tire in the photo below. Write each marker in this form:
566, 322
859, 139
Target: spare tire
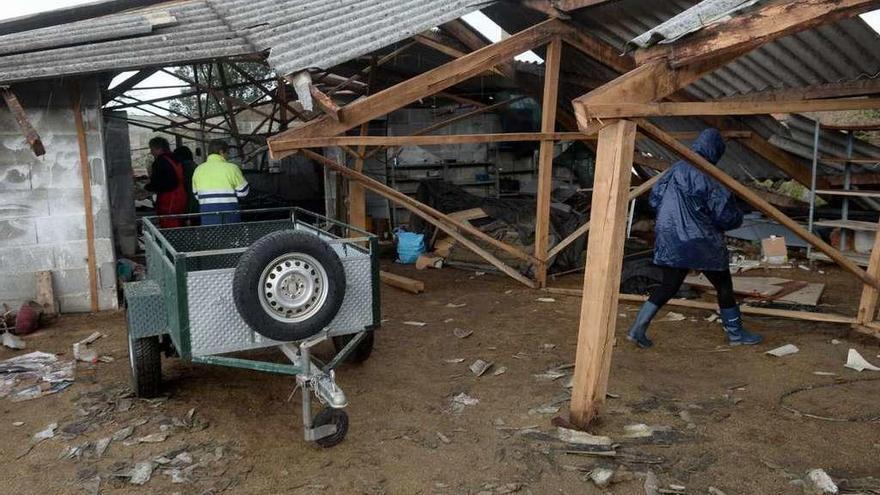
289, 285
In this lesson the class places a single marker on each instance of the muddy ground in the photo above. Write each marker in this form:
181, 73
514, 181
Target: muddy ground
724, 425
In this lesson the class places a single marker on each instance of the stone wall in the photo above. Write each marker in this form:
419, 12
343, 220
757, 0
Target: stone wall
42, 223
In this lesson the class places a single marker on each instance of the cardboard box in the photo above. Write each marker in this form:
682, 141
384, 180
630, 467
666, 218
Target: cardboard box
773, 250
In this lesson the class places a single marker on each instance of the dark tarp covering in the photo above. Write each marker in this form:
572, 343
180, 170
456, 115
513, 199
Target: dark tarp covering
519, 214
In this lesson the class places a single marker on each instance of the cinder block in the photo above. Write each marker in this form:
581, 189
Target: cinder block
60, 169
108, 300
26, 259
61, 228
107, 275
18, 286
15, 177
75, 254
66, 200
67, 282
75, 303
18, 232
21, 204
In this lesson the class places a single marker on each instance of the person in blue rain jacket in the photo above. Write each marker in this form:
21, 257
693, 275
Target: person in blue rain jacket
693, 212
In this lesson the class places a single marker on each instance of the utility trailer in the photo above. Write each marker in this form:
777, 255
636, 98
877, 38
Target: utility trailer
284, 278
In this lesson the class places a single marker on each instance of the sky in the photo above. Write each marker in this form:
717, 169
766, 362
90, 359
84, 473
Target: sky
17, 8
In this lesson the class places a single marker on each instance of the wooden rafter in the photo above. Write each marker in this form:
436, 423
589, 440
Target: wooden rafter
769, 21
862, 87
129, 83
720, 108
423, 85
324, 102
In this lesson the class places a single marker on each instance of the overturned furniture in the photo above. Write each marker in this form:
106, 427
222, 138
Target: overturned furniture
290, 281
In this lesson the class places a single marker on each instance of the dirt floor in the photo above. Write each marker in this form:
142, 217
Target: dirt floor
715, 410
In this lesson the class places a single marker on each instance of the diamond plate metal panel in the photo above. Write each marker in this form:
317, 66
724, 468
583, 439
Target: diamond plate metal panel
226, 236
145, 309
216, 327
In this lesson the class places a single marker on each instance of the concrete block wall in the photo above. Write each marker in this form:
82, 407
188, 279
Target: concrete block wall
42, 213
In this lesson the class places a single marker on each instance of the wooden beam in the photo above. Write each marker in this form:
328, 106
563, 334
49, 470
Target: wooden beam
85, 171
325, 103
746, 309
599, 50
769, 21
429, 140
583, 229
545, 157
862, 87
423, 85
569, 5
868, 302
614, 110
442, 221
755, 200
465, 35
24, 123
401, 282
602, 271
129, 83
279, 95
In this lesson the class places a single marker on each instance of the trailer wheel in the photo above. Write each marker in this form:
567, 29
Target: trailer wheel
145, 355
289, 285
330, 416
360, 353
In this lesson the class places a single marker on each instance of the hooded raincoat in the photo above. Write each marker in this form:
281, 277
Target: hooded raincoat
693, 211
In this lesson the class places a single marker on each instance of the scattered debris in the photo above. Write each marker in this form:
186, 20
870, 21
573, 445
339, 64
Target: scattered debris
13, 341
638, 430
101, 446
601, 476
462, 333
33, 375
45, 433
415, 323
545, 300
551, 374
500, 371
652, 484
82, 353
715, 491
460, 401
443, 438
785, 350
479, 367
712, 317
581, 437
153, 438
819, 483
673, 316
545, 409
18, 423
123, 434
141, 473
456, 305
835, 342
91, 338
454, 360
855, 361
547, 347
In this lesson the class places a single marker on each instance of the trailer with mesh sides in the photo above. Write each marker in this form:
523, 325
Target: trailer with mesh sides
284, 278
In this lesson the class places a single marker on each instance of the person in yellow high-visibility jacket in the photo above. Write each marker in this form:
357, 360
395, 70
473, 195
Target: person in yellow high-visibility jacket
218, 185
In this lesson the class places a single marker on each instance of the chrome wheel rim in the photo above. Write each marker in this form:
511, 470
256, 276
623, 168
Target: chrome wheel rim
293, 287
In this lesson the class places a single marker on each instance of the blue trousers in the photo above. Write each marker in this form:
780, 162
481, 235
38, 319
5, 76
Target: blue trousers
230, 214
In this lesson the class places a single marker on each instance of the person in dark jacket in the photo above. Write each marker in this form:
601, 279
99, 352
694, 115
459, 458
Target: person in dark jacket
693, 212
184, 156
167, 181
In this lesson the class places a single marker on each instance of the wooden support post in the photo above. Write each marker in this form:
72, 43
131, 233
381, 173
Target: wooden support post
30, 134
86, 173
868, 303
602, 271
545, 157
357, 198
755, 200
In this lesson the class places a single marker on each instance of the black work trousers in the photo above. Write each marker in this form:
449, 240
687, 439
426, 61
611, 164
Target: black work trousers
674, 277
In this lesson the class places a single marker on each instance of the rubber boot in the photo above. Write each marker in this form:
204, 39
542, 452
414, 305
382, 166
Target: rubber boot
736, 334
638, 332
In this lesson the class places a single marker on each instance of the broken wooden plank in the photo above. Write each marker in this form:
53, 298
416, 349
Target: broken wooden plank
27, 129
401, 282
325, 103
746, 309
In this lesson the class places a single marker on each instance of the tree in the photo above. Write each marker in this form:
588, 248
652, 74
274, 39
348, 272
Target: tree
208, 76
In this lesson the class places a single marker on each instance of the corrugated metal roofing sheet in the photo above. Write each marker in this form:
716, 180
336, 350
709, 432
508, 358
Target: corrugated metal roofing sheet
693, 19
297, 34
